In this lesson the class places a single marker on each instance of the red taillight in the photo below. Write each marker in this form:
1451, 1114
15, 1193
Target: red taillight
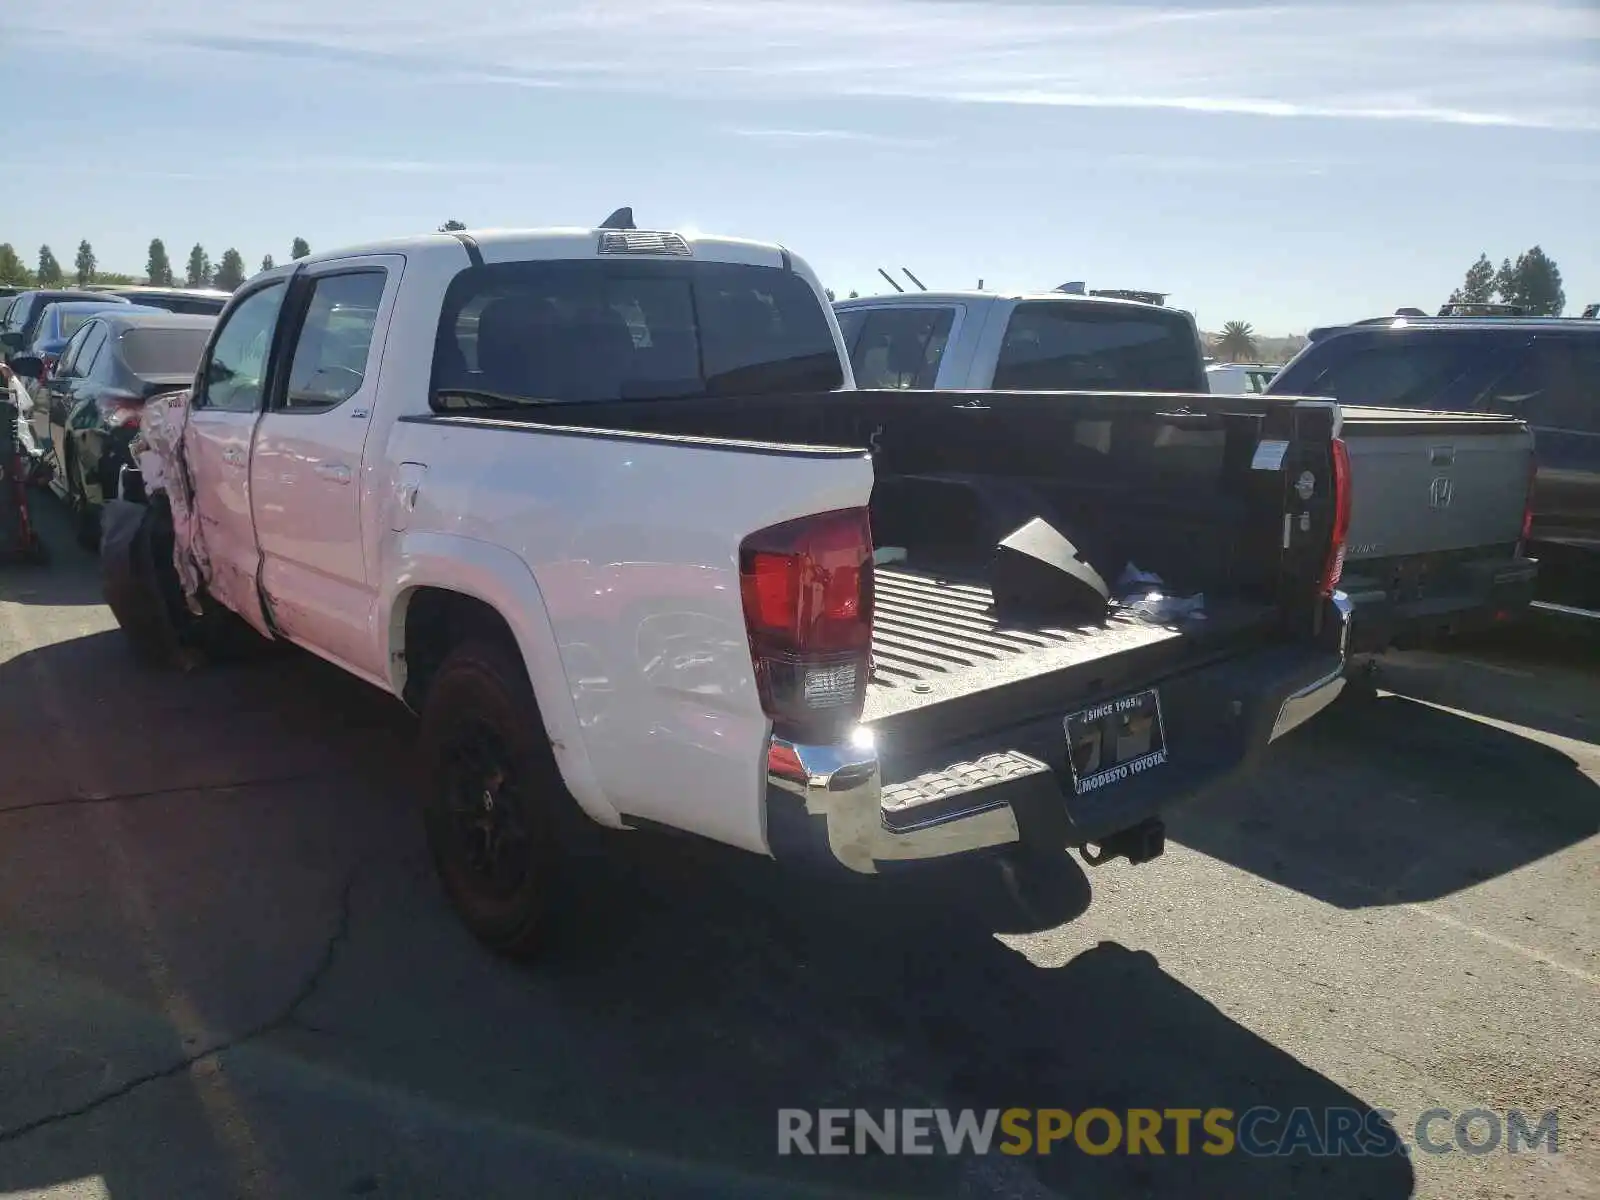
122, 415
1334, 567
807, 592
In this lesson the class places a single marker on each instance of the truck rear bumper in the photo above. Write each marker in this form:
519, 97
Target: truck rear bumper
1491, 593
865, 806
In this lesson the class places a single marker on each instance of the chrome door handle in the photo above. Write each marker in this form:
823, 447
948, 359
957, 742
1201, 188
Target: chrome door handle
337, 472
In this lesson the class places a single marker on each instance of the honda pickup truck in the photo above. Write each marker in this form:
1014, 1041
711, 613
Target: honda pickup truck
1543, 370
1439, 500
599, 506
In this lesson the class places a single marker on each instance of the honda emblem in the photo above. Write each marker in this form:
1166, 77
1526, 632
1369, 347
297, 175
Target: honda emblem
1440, 492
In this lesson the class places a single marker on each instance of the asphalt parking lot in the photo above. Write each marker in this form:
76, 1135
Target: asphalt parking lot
225, 968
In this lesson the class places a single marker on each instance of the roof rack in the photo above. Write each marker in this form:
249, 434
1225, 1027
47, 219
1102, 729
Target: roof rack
1077, 288
1484, 308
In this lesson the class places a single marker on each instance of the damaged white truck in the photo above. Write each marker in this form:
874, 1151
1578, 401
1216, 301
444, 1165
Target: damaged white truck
604, 509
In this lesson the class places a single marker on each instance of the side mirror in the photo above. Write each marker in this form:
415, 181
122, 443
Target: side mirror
11, 339
28, 366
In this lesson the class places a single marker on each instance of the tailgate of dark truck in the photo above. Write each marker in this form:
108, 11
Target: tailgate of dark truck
1439, 504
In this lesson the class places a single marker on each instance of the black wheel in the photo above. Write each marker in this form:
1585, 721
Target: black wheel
494, 798
85, 516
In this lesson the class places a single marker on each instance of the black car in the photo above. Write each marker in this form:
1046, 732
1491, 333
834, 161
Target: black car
96, 396
1544, 370
22, 317
199, 301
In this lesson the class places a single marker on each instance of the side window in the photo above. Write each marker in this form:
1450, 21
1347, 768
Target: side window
1397, 374
330, 353
69, 352
1518, 386
236, 375
16, 313
1569, 370
850, 323
901, 347
90, 350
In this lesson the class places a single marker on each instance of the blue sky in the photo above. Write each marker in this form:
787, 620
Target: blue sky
1284, 164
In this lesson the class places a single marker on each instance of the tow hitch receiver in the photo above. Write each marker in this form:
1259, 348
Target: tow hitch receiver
1140, 844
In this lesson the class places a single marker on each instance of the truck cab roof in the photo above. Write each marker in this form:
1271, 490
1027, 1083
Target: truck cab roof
521, 245
970, 297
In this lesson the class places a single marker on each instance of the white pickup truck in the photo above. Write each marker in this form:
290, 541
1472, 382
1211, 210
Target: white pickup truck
600, 506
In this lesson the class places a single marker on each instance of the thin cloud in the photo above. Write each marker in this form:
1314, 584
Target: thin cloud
1517, 63
1254, 107
833, 135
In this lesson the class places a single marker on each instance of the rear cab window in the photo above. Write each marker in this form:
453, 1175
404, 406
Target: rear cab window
154, 353
1077, 346
70, 323
898, 347
576, 331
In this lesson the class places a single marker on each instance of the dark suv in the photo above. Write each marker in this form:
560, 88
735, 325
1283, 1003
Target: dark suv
1544, 370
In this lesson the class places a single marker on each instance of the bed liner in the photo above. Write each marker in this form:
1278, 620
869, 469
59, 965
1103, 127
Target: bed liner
941, 654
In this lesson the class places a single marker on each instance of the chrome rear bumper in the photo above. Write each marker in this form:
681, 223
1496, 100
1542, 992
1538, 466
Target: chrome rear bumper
843, 785
831, 803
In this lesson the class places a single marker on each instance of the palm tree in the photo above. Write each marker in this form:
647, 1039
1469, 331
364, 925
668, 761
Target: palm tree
1238, 341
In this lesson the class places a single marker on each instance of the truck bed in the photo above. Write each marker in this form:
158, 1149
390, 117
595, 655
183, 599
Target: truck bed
940, 652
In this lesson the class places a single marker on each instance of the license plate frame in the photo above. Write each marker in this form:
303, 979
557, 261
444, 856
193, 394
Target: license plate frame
1132, 724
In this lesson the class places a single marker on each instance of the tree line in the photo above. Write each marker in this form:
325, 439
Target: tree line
1533, 281
199, 272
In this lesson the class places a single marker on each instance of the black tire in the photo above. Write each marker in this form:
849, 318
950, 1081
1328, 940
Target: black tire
85, 516
494, 803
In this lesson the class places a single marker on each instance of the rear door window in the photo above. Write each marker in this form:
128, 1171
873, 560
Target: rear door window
93, 341
850, 323
1569, 396
1403, 372
330, 355
901, 347
584, 331
69, 353
1085, 347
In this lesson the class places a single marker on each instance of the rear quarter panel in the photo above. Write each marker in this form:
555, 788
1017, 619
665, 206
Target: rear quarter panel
632, 542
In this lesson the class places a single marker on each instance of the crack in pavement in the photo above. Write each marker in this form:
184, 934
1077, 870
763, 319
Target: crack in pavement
89, 798
285, 1017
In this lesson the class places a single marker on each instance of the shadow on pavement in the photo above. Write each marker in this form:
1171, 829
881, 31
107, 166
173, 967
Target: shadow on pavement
1542, 679
373, 1049
71, 577
1391, 801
